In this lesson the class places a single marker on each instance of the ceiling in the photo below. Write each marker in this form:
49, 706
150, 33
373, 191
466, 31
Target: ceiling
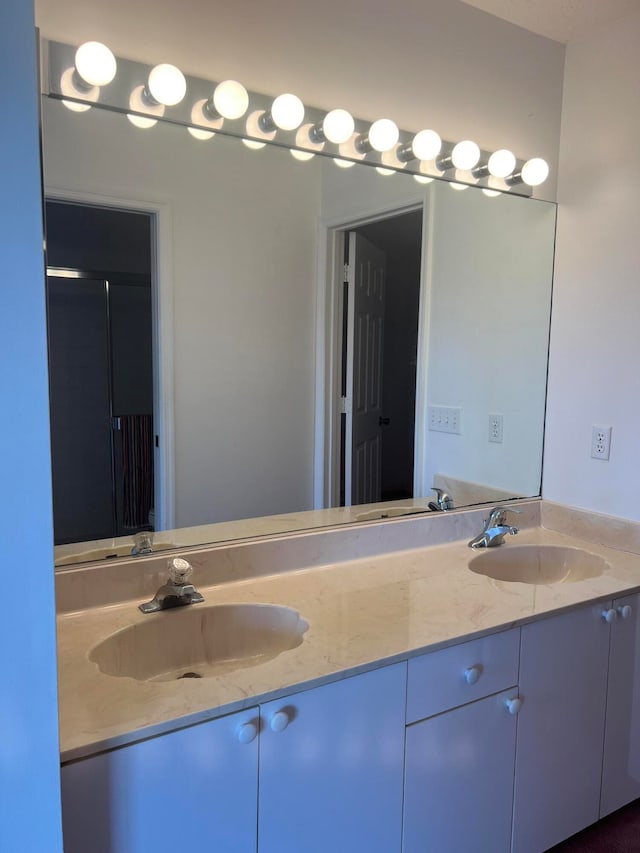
561, 20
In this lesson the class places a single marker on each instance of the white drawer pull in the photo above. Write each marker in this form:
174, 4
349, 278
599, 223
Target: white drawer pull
472, 674
609, 615
625, 610
247, 732
513, 705
279, 721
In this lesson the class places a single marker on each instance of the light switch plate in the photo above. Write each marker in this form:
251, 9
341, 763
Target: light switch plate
445, 419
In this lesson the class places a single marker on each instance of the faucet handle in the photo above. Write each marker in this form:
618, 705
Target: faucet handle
499, 513
179, 571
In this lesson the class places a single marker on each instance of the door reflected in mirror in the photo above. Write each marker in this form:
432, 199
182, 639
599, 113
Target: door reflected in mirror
320, 336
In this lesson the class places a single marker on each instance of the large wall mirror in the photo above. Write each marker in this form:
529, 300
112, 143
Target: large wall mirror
260, 344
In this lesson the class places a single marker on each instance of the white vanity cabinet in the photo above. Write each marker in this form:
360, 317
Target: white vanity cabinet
192, 790
331, 767
459, 759
329, 763
621, 765
563, 678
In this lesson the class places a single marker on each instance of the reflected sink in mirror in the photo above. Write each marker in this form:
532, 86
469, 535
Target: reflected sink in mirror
538, 564
199, 642
110, 553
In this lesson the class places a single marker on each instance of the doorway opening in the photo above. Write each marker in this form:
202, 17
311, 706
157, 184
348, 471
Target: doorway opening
101, 369
379, 343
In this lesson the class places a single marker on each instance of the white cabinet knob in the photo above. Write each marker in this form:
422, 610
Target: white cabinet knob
279, 721
472, 674
513, 705
609, 615
625, 610
247, 732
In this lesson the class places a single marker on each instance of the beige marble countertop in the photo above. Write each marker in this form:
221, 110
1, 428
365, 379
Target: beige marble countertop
361, 613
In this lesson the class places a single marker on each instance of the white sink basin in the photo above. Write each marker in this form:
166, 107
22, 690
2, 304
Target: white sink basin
109, 553
538, 564
197, 641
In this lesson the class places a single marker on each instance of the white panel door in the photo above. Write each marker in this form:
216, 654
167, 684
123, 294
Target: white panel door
331, 767
364, 372
193, 791
621, 766
563, 677
459, 779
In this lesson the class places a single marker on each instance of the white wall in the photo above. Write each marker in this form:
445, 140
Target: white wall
29, 768
595, 342
433, 63
491, 269
243, 227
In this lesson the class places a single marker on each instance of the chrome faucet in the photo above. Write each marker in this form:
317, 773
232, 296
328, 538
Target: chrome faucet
442, 502
176, 592
495, 528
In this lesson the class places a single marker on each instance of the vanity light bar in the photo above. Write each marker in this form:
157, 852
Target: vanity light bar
91, 76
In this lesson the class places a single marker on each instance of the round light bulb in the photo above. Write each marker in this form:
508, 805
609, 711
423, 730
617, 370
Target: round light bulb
383, 134
230, 99
167, 84
535, 172
465, 155
95, 63
426, 145
287, 112
501, 163
338, 126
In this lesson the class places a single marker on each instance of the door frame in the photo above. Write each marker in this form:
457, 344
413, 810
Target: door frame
329, 338
162, 334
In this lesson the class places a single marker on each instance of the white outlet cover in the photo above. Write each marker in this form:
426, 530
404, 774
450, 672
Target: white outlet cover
600, 442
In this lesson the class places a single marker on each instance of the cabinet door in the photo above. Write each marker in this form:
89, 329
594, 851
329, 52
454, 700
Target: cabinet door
621, 767
193, 790
563, 676
331, 767
459, 779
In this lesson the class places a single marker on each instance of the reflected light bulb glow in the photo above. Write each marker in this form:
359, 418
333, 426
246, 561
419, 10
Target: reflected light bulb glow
203, 135
230, 99
142, 123
338, 126
535, 172
69, 86
287, 112
422, 179
382, 171
465, 155
491, 193
456, 186
138, 104
343, 164
95, 63
167, 84
383, 134
426, 145
253, 144
301, 155
501, 163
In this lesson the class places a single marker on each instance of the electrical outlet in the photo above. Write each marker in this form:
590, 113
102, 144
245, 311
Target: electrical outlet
445, 419
600, 442
496, 425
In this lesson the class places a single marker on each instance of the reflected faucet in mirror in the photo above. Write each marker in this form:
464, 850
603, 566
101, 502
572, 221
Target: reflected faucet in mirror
442, 502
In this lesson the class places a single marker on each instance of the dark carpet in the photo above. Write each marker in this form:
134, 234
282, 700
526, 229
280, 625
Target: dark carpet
618, 833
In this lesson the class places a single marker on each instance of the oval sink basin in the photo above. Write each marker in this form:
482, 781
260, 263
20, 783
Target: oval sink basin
198, 642
538, 564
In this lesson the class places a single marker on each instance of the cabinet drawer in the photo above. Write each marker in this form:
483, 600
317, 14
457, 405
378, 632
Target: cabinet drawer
463, 673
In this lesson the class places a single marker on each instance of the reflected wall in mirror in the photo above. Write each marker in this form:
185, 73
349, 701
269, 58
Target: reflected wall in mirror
267, 363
